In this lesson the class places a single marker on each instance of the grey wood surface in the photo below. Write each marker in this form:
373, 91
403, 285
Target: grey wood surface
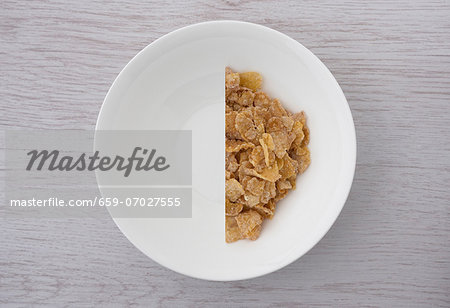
389, 247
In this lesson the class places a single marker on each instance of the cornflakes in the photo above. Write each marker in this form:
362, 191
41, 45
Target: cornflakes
250, 80
266, 148
249, 224
232, 209
233, 190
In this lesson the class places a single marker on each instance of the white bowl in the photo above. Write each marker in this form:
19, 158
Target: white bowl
177, 82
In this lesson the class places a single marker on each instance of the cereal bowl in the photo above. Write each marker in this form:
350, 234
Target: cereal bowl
177, 82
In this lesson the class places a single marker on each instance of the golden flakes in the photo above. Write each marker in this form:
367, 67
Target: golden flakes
232, 209
233, 190
250, 80
249, 224
266, 148
237, 145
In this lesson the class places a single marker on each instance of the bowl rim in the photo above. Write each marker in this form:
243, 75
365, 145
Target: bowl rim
348, 169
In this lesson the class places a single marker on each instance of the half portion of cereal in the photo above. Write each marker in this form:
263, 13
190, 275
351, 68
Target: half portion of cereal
266, 147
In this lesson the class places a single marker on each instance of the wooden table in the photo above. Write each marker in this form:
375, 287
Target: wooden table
389, 247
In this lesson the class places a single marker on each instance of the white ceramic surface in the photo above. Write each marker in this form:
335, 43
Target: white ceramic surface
177, 82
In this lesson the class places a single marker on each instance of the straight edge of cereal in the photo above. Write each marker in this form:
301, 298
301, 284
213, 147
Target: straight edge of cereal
266, 147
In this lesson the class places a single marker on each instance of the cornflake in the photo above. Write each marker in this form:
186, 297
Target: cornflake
266, 148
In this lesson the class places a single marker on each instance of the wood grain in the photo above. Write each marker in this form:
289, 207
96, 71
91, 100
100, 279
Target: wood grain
390, 246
